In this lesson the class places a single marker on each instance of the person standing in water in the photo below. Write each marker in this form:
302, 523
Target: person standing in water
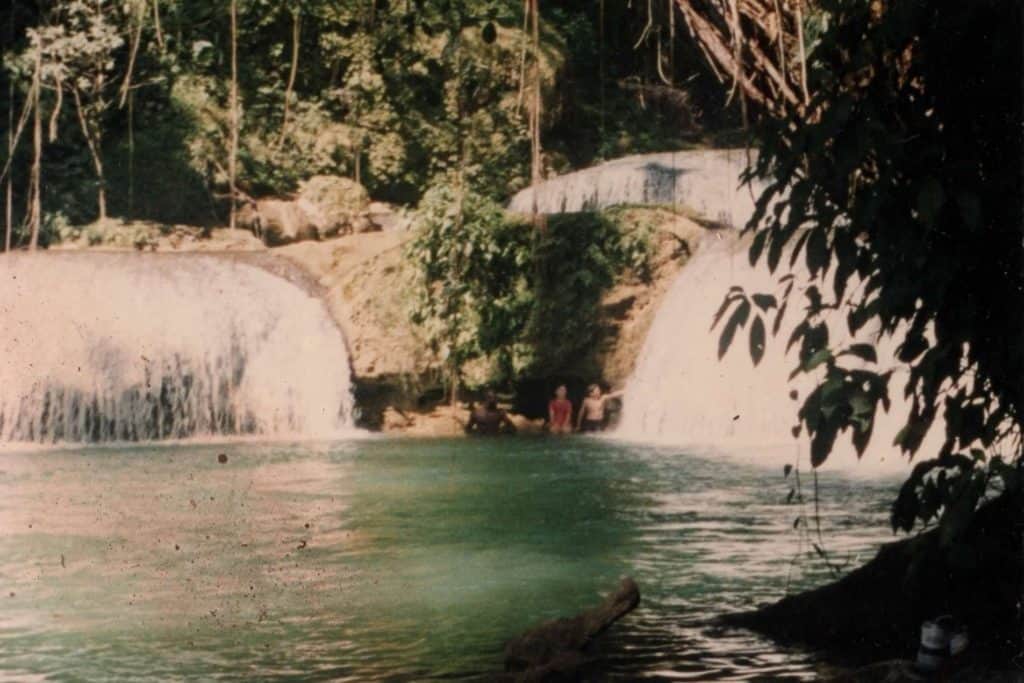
488, 419
592, 412
560, 412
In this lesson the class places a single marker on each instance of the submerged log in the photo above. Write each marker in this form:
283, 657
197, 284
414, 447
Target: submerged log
554, 650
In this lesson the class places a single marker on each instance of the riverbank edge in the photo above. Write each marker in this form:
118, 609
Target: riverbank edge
868, 621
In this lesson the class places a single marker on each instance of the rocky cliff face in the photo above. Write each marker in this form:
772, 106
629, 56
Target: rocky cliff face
365, 281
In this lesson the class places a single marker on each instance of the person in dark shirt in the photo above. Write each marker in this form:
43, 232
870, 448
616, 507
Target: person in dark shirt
488, 419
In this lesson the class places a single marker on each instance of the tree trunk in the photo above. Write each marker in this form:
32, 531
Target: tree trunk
9, 205
157, 24
101, 199
535, 148
131, 155
293, 73
454, 397
746, 44
36, 208
233, 155
93, 142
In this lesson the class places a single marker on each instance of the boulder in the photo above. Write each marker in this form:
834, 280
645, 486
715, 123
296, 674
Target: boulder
336, 205
326, 206
388, 218
277, 221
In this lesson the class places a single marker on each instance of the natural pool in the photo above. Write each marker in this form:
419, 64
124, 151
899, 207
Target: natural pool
397, 559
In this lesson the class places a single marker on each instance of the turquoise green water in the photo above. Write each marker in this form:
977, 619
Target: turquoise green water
399, 560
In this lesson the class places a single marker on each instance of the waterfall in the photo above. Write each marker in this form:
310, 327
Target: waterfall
680, 393
706, 181
129, 347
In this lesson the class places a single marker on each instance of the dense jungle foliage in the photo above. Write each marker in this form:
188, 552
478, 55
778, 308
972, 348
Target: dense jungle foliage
496, 296
898, 186
135, 97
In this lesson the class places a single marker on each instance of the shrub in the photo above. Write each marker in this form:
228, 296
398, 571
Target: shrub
490, 286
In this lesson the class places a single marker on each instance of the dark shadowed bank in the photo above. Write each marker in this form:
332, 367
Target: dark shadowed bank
875, 612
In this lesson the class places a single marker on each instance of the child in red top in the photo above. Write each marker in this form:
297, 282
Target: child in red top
560, 412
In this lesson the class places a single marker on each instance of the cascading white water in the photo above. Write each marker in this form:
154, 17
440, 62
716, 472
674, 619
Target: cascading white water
126, 347
706, 181
681, 393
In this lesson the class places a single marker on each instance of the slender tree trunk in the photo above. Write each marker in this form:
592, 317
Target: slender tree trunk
233, 156
358, 154
9, 205
293, 73
93, 142
131, 155
535, 116
101, 192
535, 170
36, 208
454, 397
600, 62
522, 55
157, 24
126, 86
460, 199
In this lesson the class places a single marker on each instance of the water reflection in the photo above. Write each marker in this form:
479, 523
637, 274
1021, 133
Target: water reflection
383, 558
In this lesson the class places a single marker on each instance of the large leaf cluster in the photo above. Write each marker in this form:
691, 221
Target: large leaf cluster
472, 291
895, 199
490, 286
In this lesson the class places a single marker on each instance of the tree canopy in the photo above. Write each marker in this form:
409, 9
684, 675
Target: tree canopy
392, 93
901, 175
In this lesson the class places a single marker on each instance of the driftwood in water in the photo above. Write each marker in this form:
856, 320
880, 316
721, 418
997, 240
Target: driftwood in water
554, 650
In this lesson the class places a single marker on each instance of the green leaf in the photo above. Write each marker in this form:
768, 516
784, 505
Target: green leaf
757, 340
817, 251
798, 333
775, 251
914, 344
800, 242
930, 198
757, 246
817, 359
858, 317
764, 301
738, 320
821, 443
723, 308
863, 351
861, 437
778, 318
